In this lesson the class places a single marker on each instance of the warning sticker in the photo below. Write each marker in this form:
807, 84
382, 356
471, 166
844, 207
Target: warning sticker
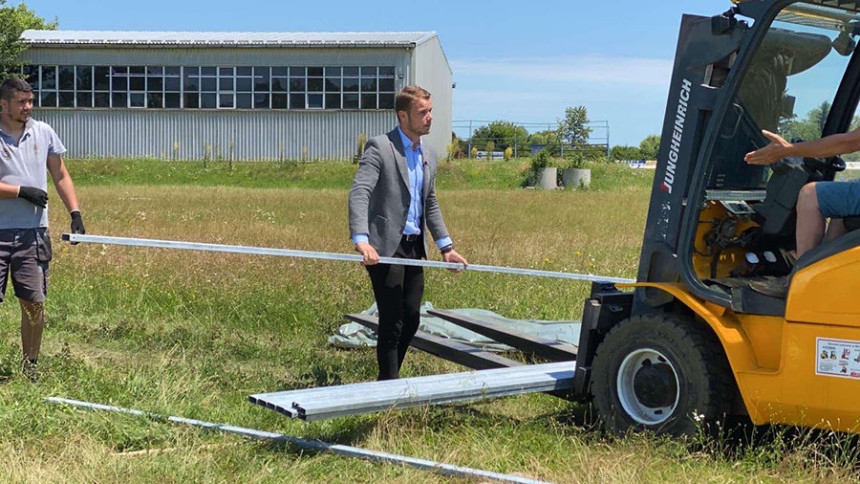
836, 357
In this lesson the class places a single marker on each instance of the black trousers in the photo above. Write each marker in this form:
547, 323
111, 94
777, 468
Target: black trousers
398, 291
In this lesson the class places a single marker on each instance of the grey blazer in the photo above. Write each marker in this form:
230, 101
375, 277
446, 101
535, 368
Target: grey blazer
379, 197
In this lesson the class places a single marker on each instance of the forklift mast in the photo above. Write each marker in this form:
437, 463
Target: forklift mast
707, 47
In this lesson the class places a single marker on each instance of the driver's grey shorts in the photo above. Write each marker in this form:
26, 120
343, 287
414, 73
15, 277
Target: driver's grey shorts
838, 199
27, 252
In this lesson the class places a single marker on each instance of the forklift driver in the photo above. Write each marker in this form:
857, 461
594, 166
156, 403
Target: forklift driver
817, 201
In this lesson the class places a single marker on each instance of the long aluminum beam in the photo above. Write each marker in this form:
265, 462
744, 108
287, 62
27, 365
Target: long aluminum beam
316, 445
445, 348
304, 254
545, 348
358, 398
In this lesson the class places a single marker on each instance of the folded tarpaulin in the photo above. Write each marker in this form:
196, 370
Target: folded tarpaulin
354, 335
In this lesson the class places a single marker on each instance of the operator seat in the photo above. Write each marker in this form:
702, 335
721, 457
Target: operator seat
777, 212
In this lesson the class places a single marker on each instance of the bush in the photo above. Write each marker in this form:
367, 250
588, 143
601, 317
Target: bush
576, 160
453, 150
540, 160
359, 143
491, 147
509, 153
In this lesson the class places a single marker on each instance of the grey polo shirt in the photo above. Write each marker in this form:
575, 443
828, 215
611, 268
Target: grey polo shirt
25, 163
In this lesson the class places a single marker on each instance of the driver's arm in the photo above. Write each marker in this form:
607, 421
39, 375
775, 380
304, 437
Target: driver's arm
835, 144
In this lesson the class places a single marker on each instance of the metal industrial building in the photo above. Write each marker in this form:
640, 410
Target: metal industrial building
249, 96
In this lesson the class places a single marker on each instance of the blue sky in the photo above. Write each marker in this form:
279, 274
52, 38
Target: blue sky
518, 61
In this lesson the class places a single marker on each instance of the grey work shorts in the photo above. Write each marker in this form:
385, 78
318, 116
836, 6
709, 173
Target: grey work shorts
27, 252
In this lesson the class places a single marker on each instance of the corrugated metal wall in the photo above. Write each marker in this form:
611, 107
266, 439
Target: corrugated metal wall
255, 135
431, 71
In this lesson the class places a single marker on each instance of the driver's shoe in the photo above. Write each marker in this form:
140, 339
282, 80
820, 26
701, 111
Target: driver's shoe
775, 287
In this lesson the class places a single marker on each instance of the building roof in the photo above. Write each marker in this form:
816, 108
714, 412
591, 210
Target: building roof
84, 38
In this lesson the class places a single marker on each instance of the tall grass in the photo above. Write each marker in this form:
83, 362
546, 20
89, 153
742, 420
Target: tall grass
452, 175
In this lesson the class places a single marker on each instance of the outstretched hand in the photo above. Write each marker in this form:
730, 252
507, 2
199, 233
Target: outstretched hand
770, 154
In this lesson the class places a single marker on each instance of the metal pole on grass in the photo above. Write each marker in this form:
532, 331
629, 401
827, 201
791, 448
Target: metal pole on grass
345, 450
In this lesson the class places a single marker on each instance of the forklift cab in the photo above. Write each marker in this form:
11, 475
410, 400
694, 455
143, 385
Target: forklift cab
715, 222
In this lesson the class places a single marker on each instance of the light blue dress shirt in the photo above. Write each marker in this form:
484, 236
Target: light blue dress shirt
415, 169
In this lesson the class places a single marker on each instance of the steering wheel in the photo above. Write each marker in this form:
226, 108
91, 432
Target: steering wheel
821, 167
825, 166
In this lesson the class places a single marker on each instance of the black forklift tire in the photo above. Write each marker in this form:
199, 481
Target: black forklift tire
661, 373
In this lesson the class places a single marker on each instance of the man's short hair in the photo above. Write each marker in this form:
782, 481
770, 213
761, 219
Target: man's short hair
11, 86
404, 99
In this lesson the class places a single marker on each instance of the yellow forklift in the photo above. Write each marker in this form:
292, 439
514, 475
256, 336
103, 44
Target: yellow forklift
693, 342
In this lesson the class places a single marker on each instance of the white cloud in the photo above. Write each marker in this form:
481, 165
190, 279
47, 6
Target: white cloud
588, 69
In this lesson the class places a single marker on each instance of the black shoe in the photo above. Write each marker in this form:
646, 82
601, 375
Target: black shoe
30, 370
775, 287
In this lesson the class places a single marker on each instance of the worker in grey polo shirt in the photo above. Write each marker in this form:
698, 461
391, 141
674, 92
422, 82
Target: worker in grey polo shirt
28, 150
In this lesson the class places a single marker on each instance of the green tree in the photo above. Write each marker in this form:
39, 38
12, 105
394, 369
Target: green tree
649, 147
548, 139
809, 128
490, 148
14, 21
572, 129
621, 152
502, 134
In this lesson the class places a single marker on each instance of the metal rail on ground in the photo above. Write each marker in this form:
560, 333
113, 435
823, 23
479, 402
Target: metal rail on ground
545, 348
358, 398
238, 249
448, 349
344, 450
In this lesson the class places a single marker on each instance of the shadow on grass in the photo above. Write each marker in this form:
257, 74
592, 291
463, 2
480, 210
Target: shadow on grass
346, 432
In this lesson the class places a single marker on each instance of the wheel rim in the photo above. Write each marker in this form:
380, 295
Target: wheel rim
647, 385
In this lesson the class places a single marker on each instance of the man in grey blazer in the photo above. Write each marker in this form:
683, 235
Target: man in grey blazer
391, 204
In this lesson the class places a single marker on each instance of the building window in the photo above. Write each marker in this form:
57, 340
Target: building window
226, 88
262, 87
210, 87
119, 87
191, 87
298, 87
101, 86
137, 87
31, 75
173, 87
280, 87
66, 85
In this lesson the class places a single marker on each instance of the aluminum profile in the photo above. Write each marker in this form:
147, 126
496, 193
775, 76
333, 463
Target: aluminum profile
359, 398
544, 348
305, 254
445, 348
314, 445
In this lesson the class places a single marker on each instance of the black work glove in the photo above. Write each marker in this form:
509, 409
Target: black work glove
77, 224
33, 195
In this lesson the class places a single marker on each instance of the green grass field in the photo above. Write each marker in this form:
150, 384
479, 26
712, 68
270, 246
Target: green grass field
193, 334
